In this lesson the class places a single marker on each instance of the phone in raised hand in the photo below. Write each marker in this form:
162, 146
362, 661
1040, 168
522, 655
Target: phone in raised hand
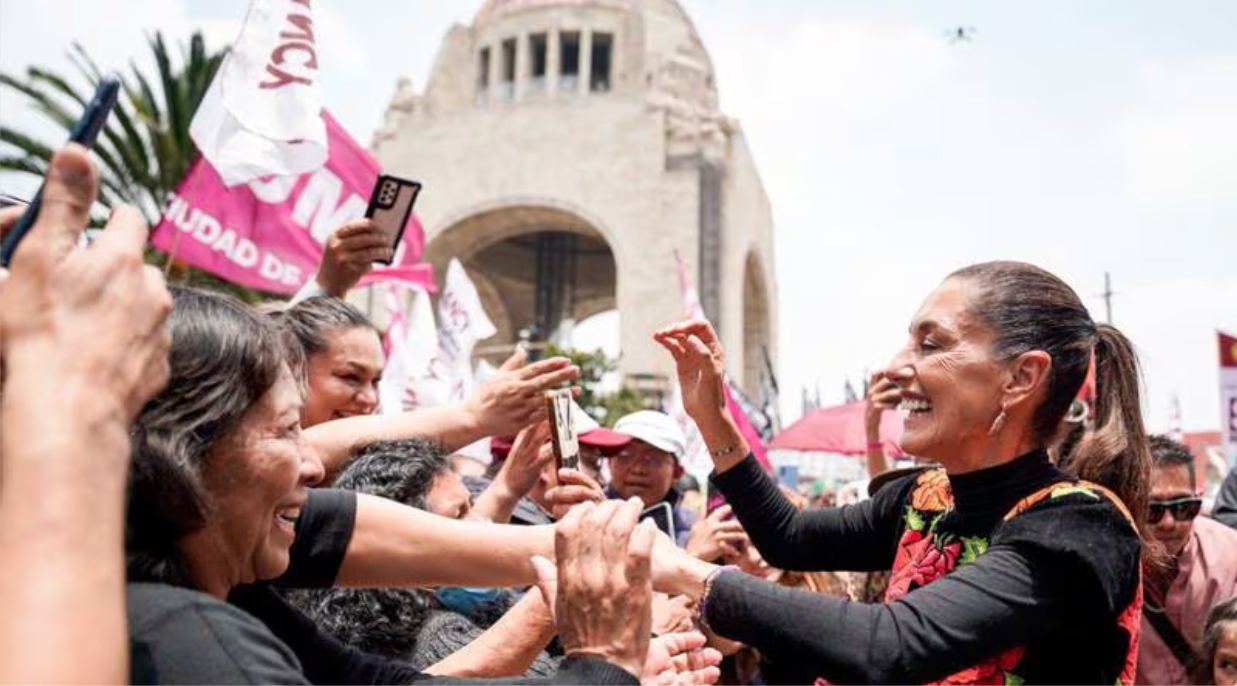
85, 132
390, 206
563, 439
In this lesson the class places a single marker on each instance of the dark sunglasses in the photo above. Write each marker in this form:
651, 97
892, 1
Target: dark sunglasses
1183, 509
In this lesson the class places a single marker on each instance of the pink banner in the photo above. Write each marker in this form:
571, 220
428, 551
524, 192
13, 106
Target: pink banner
268, 234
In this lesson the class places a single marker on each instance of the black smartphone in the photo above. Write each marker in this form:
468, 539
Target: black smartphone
663, 516
85, 132
390, 206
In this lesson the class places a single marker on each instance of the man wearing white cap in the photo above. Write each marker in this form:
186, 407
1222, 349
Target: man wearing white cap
649, 465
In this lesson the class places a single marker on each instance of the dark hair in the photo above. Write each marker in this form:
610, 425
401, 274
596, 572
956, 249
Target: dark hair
1028, 308
314, 320
1165, 452
224, 358
1219, 615
402, 470
382, 621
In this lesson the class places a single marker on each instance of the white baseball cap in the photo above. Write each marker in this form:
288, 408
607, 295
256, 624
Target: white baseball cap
658, 429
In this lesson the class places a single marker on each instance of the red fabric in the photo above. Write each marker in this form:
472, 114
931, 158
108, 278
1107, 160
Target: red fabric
840, 429
1228, 351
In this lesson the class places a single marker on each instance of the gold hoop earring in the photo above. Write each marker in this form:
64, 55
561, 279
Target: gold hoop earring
997, 424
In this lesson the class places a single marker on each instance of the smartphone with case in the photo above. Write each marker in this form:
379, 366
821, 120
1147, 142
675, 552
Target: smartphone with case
563, 439
663, 516
85, 132
390, 206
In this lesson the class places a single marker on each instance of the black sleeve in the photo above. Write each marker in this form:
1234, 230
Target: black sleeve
859, 537
326, 660
208, 642
1033, 578
323, 531
1225, 510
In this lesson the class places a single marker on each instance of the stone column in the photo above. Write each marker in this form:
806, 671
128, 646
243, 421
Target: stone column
586, 60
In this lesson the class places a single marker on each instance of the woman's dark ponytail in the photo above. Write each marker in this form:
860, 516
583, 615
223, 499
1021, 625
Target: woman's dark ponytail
1115, 452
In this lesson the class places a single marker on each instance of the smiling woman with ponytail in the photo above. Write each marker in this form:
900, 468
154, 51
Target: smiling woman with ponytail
1006, 569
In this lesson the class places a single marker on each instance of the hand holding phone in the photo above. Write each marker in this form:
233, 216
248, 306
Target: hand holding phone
663, 516
85, 132
390, 206
559, 407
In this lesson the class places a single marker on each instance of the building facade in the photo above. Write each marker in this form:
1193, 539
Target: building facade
569, 149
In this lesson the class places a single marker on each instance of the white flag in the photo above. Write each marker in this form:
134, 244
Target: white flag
408, 381
262, 114
462, 323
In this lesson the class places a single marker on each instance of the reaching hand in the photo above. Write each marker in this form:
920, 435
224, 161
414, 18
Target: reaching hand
680, 659
672, 614
701, 365
349, 254
715, 536
604, 584
883, 394
530, 455
574, 487
89, 322
512, 398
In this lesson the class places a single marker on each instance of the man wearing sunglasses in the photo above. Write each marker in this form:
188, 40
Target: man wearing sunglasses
1202, 569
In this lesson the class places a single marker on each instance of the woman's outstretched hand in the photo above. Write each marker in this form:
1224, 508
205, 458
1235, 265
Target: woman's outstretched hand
701, 366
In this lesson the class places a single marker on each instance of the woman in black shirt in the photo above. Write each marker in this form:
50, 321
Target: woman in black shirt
1005, 569
217, 492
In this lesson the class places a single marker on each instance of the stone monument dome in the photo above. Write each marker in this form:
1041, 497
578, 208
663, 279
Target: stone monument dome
569, 148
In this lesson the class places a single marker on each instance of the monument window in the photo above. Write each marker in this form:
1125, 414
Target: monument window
483, 71
600, 62
569, 64
538, 49
507, 85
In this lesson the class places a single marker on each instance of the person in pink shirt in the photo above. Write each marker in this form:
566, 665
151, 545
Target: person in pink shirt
1201, 572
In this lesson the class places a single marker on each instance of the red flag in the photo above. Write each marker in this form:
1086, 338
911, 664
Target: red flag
1228, 350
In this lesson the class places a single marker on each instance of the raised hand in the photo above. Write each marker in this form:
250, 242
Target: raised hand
512, 398
715, 536
604, 583
85, 321
349, 254
574, 487
530, 454
701, 366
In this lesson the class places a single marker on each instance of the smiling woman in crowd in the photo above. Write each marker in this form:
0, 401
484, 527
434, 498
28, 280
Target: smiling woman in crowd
1005, 569
344, 362
218, 494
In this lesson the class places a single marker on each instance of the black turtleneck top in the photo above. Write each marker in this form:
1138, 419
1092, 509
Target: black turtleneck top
1052, 580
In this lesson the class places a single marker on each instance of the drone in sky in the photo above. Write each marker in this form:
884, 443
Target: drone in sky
960, 34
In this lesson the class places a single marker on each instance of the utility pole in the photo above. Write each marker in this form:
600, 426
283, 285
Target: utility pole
1108, 297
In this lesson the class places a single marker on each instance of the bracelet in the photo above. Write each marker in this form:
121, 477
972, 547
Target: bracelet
722, 452
875, 445
702, 606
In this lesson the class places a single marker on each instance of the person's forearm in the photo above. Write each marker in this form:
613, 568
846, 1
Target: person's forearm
725, 443
508, 647
394, 545
62, 578
496, 503
878, 463
452, 426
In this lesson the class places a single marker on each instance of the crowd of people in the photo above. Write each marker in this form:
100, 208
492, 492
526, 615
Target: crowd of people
194, 490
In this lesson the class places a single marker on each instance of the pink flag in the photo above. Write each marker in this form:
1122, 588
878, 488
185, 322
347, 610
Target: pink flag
268, 234
693, 309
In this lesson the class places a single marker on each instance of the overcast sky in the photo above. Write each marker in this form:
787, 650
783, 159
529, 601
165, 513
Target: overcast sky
1083, 137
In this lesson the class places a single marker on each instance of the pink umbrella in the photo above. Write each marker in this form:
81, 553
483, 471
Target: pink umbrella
839, 430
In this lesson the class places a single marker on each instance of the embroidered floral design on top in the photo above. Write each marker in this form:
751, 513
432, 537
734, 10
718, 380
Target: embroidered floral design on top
923, 556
